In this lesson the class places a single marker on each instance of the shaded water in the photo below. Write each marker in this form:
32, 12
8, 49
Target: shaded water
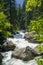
20, 42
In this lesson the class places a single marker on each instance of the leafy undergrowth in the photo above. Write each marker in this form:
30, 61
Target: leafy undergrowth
39, 38
40, 49
39, 60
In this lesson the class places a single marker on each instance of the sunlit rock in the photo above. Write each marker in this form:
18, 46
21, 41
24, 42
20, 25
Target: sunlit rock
23, 54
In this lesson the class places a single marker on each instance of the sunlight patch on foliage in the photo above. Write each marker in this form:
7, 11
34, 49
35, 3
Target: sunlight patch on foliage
32, 3
39, 48
39, 60
4, 26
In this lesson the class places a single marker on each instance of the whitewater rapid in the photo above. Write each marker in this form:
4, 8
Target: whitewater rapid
7, 60
20, 42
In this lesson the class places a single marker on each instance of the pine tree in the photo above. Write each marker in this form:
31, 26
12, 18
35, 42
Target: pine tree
11, 12
4, 25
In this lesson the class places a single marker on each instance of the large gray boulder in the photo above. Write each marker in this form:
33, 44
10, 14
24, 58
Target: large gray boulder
27, 53
1, 57
23, 54
7, 46
30, 37
37, 51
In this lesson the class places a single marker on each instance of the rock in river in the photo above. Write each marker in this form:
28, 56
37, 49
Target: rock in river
0, 48
23, 54
30, 37
1, 57
7, 46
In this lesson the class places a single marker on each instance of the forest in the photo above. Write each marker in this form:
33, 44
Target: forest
28, 17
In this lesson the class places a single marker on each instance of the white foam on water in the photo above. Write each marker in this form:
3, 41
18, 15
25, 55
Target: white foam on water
8, 61
7, 56
14, 61
20, 43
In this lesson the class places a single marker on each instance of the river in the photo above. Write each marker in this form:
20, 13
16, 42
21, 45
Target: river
20, 42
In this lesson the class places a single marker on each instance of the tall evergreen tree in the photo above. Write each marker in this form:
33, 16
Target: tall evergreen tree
25, 15
19, 15
11, 12
4, 25
36, 23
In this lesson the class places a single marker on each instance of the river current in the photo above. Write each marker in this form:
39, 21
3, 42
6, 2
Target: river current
20, 42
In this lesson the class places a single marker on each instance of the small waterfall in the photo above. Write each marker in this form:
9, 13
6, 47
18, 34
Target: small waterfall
20, 42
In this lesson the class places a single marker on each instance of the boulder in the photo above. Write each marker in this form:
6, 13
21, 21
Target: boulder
1, 57
33, 40
0, 48
33, 51
30, 37
7, 46
37, 51
34, 32
23, 54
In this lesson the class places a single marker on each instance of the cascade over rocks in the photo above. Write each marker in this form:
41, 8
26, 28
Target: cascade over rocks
26, 53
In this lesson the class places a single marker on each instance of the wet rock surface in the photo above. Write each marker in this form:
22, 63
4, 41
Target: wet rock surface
7, 46
1, 57
26, 53
0, 48
30, 37
23, 54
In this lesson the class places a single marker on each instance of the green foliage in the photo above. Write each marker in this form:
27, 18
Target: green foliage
39, 60
32, 3
9, 9
20, 18
36, 25
4, 26
36, 22
39, 48
39, 37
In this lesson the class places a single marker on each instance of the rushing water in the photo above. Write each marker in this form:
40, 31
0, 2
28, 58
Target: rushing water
8, 61
20, 42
